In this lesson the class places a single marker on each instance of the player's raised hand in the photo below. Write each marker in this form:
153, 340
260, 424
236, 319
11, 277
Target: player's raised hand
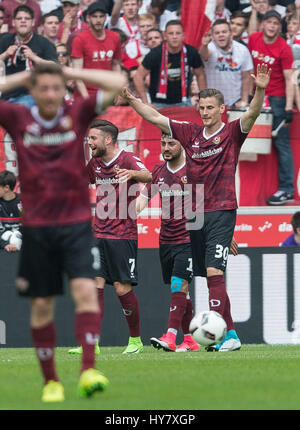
262, 78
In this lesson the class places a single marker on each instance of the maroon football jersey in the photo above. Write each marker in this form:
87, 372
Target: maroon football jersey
115, 216
172, 187
211, 161
51, 162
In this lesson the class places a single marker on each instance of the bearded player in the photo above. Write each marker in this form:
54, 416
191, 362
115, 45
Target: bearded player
56, 223
117, 174
212, 152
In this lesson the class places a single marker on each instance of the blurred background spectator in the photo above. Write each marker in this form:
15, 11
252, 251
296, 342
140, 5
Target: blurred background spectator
228, 64
22, 49
10, 6
154, 38
50, 27
170, 66
268, 47
128, 22
10, 212
97, 47
238, 26
71, 24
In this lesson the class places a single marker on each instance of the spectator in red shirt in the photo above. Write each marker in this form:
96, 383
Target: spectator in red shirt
268, 47
9, 7
71, 23
96, 48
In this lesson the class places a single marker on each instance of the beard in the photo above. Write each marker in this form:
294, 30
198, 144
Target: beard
99, 152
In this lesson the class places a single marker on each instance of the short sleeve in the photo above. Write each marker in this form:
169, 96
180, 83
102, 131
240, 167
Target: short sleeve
135, 163
77, 47
236, 132
8, 114
181, 130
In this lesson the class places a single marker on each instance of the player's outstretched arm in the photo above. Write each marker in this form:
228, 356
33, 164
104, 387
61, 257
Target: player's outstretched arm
261, 81
141, 203
147, 112
110, 82
14, 81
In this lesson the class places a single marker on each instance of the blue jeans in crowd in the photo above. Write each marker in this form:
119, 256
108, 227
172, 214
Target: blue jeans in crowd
283, 147
26, 100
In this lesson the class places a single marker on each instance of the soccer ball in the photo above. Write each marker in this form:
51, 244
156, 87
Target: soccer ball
13, 237
208, 328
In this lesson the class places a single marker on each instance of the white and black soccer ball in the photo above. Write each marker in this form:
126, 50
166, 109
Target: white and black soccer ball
208, 328
13, 237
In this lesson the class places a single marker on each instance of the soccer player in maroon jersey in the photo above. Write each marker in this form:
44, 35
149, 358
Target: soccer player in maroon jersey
212, 152
56, 221
169, 179
117, 174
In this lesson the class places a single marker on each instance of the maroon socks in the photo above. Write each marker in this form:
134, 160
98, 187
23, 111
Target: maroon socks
44, 340
177, 310
87, 334
218, 298
131, 311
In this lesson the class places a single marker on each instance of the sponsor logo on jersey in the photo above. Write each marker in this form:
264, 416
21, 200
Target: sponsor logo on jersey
51, 139
100, 181
208, 153
66, 122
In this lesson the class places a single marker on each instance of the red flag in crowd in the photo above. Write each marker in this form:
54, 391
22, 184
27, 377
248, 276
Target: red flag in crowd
197, 17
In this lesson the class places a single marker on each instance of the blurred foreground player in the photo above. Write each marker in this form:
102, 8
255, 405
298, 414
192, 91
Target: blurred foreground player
175, 252
212, 154
57, 233
117, 174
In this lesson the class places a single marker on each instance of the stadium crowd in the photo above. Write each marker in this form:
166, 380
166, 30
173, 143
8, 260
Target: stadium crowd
144, 39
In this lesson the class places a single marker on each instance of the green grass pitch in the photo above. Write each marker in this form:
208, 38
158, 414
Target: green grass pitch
258, 377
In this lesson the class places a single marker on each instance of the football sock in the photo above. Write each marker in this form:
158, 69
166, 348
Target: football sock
227, 315
177, 310
187, 317
44, 339
87, 334
218, 298
131, 311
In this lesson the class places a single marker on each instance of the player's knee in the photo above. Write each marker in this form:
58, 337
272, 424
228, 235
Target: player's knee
179, 285
122, 289
85, 295
42, 308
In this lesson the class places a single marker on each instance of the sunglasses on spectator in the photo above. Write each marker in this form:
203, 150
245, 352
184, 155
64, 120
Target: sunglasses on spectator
64, 54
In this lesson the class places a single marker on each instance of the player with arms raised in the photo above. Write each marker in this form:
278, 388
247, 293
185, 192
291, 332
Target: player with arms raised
212, 152
57, 233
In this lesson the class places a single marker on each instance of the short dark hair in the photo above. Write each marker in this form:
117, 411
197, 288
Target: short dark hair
1, 8
47, 15
219, 22
121, 33
107, 127
7, 178
174, 22
212, 92
49, 68
161, 4
23, 8
295, 221
239, 14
